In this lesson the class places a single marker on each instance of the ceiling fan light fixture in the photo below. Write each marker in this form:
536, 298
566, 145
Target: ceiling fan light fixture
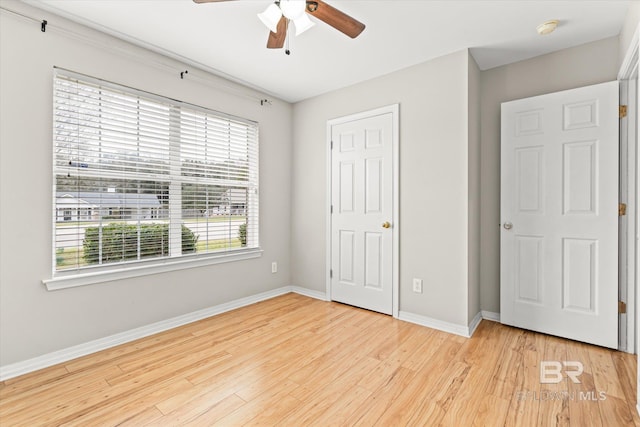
302, 23
271, 16
280, 13
292, 9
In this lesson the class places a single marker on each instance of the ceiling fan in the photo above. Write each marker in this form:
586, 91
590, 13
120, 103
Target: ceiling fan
280, 13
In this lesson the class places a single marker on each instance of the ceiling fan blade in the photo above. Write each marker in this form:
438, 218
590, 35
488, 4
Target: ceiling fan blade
209, 1
276, 40
337, 19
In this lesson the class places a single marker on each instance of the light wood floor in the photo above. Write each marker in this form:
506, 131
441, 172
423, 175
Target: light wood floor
296, 361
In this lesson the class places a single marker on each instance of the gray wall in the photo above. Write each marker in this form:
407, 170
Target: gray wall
567, 69
475, 192
434, 149
628, 29
34, 321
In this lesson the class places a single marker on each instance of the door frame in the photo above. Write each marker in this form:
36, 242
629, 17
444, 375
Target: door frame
630, 224
394, 109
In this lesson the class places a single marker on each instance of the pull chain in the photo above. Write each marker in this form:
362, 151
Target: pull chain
287, 37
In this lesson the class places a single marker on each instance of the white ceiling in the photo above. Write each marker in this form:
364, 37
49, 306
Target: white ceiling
228, 39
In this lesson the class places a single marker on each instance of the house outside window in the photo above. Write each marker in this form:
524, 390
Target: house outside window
139, 178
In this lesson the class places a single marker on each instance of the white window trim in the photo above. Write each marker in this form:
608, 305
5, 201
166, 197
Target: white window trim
110, 274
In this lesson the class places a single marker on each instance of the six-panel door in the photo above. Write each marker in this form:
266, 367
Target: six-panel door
559, 218
362, 222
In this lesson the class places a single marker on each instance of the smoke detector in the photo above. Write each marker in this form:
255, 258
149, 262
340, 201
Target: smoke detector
547, 27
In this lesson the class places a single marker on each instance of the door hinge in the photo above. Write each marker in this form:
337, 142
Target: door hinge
331, 274
622, 209
332, 145
622, 111
331, 209
622, 307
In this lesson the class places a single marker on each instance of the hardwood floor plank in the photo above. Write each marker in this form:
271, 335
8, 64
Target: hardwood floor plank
129, 351
524, 411
219, 390
392, 360
232, 380
435, 397
296, 361
339, 412
604, 372
31, 380
145, 417
120, 405
491, 412
44, 408
482, 352
63, 389
216, 412
216, 405
382, 398
554, 397
626, 367
583, 411
429, 341
331, 364
261, 405
68, 380
503, 383
613, 408
615, 411
381, 375
267, 345
466, 403
202, 356
318, 397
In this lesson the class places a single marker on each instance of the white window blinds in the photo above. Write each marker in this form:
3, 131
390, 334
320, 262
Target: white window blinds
138, 177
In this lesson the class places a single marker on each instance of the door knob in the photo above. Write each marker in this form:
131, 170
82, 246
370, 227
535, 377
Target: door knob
386, 224
508, 226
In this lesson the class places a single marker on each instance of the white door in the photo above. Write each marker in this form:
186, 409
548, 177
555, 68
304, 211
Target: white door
362, 223
559, 214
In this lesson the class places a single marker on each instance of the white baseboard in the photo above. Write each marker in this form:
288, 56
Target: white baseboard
310, 293
410, 317
66, 354
474, 323
440, 325
490, 315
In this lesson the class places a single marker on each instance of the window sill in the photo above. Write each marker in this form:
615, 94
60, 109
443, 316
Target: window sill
82, 279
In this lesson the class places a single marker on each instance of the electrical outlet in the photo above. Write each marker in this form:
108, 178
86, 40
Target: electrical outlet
417, 286
274, 267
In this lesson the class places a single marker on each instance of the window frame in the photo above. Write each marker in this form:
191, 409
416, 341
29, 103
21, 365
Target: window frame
85, 275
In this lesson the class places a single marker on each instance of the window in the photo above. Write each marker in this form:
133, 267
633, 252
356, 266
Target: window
141, 179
